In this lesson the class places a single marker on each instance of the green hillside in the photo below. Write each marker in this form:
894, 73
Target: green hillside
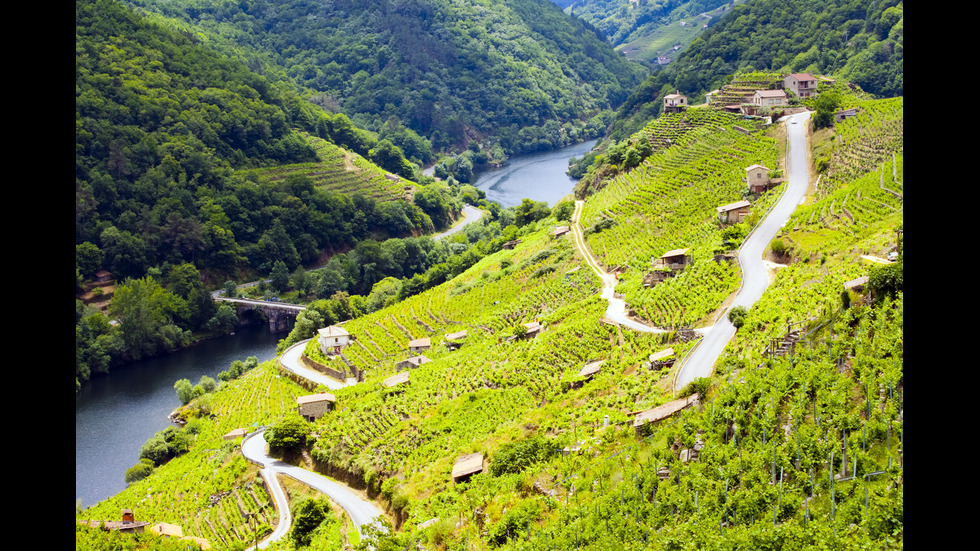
647, 29
772, 430
451, 70
846, 39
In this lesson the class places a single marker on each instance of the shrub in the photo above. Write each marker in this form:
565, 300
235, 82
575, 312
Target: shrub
139, 471
517, 456
737, 316
699, 385
308, 515
289, 434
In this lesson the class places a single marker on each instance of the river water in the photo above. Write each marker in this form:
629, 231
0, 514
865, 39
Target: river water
537, 176
115, 414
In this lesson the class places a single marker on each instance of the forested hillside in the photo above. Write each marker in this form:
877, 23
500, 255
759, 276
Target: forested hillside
850, 39
788, 450
646, 29
518, 73
174, 149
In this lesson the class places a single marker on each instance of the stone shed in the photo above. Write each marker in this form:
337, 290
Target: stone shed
467, 466
313, 406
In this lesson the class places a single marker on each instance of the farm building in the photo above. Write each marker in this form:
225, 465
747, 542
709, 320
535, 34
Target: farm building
419, 345
660, 413
533, 328
454, 340
560, 231
733, 213
803, 85
591, 368
396, 380
333, 339
676, 259
128, 524
769, 98
412, 362
845, 114
675, 103
312, 406
467, 466
757, 178
856, 285
237, 433
662, 359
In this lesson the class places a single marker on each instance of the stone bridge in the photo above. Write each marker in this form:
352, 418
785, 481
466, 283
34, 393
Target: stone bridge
278, 313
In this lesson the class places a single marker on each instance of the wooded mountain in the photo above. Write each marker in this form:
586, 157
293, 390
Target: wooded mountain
639, 27
451, 70
849, 39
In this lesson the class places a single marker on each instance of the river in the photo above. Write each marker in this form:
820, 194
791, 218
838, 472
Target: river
537, 176
115, 414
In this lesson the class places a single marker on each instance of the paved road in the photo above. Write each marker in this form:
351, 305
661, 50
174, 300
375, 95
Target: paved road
253, 447
290, 361
360, 512
755, 279
470, 214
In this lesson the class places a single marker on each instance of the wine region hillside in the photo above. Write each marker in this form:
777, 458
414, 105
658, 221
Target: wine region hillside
794, 440
517, 74
850, 40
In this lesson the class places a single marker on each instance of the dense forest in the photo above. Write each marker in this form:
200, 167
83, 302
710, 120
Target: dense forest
517, 73
621, 21
848, 39
164, 126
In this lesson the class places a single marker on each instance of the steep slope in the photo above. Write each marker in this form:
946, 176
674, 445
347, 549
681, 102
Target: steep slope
770, 431
649, 29
451, 70
849, 39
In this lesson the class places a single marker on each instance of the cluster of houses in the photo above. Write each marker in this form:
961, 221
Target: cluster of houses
129, 525
751, 100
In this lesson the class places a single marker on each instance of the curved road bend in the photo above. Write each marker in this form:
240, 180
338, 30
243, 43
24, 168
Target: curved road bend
290, 361
470, 214
755, 278
359, 511
253, 448
616, 310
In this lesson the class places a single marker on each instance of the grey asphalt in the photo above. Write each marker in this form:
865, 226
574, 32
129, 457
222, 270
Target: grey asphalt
755, 279
360, 512
470, 214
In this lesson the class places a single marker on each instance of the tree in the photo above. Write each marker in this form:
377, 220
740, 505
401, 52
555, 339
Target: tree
185, 391
143, 309
308, 515
826, 104
737, 316
88, 258
279, 276
139, 471
288, 435
531, 211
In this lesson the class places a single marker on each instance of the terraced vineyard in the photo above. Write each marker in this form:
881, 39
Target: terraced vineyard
795, 451
210, 491
341, 171
868, 139
668, 202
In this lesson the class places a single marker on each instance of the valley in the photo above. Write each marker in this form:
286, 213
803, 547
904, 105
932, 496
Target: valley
535, 379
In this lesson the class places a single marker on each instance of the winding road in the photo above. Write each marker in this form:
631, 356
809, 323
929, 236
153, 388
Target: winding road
755, 277
361, 512
470, 214
699, 363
